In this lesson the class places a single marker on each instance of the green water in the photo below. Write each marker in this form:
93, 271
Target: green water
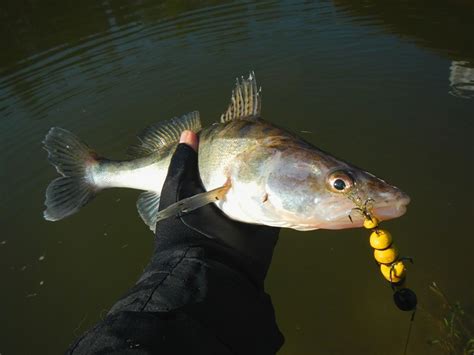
388, 86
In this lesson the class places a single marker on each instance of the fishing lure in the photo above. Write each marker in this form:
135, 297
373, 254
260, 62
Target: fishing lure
386, 254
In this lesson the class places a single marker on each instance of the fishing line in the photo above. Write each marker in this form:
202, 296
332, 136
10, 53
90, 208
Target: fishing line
412, 319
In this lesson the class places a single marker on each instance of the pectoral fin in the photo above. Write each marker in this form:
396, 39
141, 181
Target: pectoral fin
194, 202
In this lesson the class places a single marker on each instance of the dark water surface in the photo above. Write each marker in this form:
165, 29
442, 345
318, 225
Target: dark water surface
388, 86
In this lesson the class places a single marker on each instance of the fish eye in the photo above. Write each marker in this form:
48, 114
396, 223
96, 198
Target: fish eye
340, 181
339, 184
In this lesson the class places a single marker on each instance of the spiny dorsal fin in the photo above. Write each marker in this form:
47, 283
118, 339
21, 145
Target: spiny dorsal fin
245, 101
162, 134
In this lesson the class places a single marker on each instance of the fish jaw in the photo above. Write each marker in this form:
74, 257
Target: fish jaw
340, 214
352, 218
384, 201
386, 211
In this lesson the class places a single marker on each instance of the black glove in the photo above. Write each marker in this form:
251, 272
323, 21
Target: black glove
250, 247
203, 290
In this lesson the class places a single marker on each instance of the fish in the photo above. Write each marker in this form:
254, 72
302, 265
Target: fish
253, 170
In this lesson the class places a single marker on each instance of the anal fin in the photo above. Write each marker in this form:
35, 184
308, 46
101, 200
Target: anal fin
147, 205
192, 203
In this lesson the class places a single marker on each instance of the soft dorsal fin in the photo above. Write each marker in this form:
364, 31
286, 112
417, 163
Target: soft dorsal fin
162, 134
245, 101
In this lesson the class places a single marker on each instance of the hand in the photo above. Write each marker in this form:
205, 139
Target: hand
208, 225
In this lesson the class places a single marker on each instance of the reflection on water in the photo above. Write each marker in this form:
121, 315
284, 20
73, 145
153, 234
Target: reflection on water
368, 78
461, 79
445, 27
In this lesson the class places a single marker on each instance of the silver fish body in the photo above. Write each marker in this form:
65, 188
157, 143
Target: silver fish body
274, 177
278, 179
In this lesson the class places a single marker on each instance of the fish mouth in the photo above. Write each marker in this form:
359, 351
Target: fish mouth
391, 210
352, 219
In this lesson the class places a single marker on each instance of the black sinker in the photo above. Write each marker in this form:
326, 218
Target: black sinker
405, 299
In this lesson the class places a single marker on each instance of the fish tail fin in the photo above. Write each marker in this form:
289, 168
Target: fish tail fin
67, 194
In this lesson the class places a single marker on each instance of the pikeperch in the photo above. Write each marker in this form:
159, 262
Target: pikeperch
263, 173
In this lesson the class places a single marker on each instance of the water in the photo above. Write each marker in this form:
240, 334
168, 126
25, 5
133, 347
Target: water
388, 87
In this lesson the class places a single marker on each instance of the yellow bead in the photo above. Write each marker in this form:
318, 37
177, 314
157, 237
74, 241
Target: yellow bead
370, 223
395, 272
380, 239
386, 256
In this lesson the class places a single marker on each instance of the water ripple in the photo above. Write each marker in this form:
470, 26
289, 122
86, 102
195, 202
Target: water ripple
97, 62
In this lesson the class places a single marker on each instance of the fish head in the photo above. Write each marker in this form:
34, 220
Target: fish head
349, 191
309, 189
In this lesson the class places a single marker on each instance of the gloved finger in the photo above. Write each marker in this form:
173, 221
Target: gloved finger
183, 157
183, 166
